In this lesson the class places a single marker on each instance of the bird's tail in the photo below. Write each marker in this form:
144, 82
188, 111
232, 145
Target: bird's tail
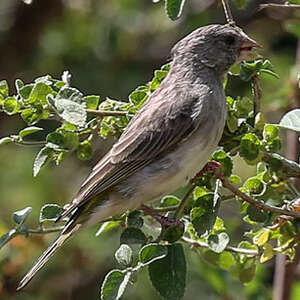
46, 256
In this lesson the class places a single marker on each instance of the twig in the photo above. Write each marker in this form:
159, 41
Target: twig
165, 209
276, 5
42, 230
104, 113
258, 204
227, 12
182, 204
28, 143
249, 252
257, 93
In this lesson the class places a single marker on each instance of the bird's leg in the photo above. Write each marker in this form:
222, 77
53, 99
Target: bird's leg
210, 167
165, 222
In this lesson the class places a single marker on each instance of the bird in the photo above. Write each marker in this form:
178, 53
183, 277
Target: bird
167, 141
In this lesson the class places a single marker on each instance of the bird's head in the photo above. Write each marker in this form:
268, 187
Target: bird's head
214, 46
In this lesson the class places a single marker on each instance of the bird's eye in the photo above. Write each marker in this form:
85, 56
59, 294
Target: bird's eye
229, 40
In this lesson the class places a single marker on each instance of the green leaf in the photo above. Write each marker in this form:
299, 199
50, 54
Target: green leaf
4, 90
69, 93
138, 97
226, 162
291, 120
235, 179
256, 214
124, 255
261, 236
29, 130
5, 140
249, 146
106, 226
134, 219
254, 185
174, 8
267, 254
39, 93
50, 212
19, 84
32, 115
168, 275
226, 260
42, 159
169, 200
204, 213
92, 101
85, 150
70, 139
25, 91
132, 235
5, 238
55, 138
218, 242
114, 284
71, 111
11, 105
152, 252
270, 132
240, 3
20, 216
173, 233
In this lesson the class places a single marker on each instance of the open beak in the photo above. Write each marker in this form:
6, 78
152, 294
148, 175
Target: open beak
246, 48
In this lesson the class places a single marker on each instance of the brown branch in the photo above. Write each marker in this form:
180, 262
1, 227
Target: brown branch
257, 93
227, 12
183, 202
105, 113
258, 204
276, 5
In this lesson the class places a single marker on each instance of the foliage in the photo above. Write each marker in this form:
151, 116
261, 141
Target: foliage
81, 119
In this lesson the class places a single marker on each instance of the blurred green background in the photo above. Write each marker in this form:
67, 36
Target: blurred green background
110, 47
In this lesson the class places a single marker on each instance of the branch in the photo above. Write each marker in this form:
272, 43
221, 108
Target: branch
182, 204
258, 204
249, 252
288, 168
105, 113
227, 12
42, 230
257, 93
275, 5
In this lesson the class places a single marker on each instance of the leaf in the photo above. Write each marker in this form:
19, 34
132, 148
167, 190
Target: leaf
291, 120
270, 132
106, 226
226, 260
240, 3
168, 275
204, 213
91, 101
114, 284
152, 252
267, 254
41, 160
225, 161
218, 242
256, 214
138, 97
50, 212
11, 106
71, 111
174, 8
261, 237
85, 150
173, 233
249, 146
5, 140
235, 179
5, 238
25, 91
4, 90
134, 219
19, 84
29, 130
39, 93
20, 216
169, 200
33, 115
124, 255
254, 185
132, 235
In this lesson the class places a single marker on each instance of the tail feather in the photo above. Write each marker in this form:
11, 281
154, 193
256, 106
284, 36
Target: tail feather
46, 256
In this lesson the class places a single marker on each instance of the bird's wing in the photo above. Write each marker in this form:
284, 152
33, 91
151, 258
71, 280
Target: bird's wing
157, 127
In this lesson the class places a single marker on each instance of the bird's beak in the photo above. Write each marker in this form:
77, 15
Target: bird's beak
246, 48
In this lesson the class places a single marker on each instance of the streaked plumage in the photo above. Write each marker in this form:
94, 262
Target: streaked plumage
169, 140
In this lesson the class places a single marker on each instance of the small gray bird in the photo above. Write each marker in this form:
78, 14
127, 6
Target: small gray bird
168, 141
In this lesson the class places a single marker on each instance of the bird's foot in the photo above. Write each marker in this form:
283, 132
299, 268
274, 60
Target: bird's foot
210, 167
165, 222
